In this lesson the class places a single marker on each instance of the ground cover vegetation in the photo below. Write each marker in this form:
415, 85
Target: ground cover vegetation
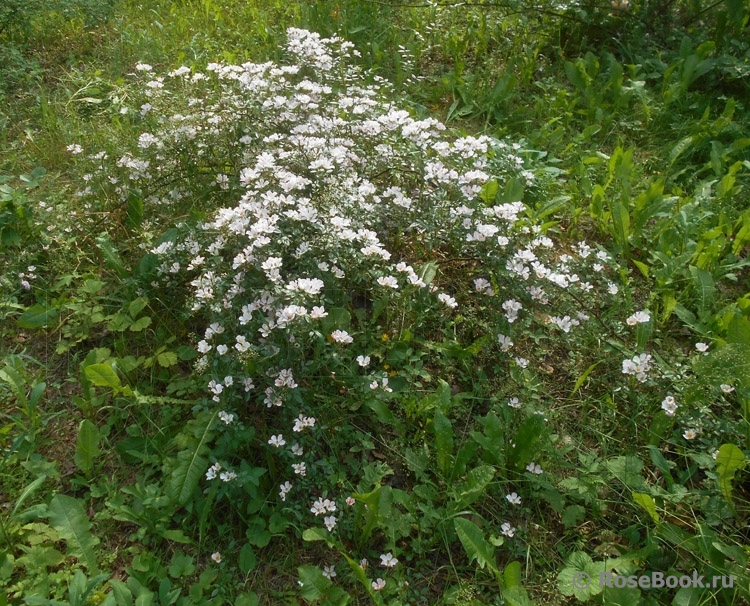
357, 302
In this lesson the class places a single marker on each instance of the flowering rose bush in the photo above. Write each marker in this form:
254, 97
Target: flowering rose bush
346, 256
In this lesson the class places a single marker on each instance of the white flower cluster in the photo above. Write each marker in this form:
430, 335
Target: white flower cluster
639, 317
322, 179
639, 366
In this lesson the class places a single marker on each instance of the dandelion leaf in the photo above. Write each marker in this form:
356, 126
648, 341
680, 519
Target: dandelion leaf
443, 441
475, 485
647, 502
516, 596
526, 442
729, 460
192, 461
87, 446
67, 517
477, 548
512, 574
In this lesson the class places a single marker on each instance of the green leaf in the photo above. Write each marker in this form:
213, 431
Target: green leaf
621, 596
256, 532
643, 334
443, 441
277, 523
140, 324
398, 353
27, 492
660, 427
76, 588
87, 446
729, 460
705, 287
147, 266
584, 376
489, 192
337, 318
580, 577
247, 599
167, 595
513, 191
315, 534
382, 412
313, 584
512, 574
574, 74
358, 571
103, 375
36, 394
167, 359
92, 287
627, 469
248, 560
191, 462
9, 236
475, 485
572, 515
37, 316
688, 596
516, 596
181, 565
123, 595
477, 548
67, 517
661, 464
647, 502
110, 255
681, 146
176, 536
621, 219
135, 211
379, 502
186, 353
81, 587
428, 271
16, 382
119, 322
526, 442
336, 597
492, 439
478, 345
